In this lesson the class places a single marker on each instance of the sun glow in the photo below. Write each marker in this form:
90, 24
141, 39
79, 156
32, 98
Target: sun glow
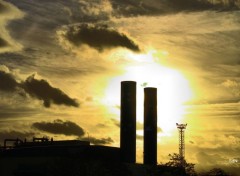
173, 89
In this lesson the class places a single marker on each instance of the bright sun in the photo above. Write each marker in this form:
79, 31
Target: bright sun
173, 89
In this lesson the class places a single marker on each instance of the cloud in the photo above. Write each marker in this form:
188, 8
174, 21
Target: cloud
39, 89
8, 82
140, 127
131, 8
13, 134
42, 90
58, 126
214, 101
69, 128
100, 141
97, 36
191, 142
139, 137
210, 159
116, 122
8, 12
102, 8
179, 5
233, 86
3, 43
3, 7
8, 109
155, 7
102, 125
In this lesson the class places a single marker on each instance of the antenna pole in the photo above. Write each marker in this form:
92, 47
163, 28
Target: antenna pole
181, 128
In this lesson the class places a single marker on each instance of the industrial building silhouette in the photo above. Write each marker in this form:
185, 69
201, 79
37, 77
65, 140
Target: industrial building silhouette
43, 149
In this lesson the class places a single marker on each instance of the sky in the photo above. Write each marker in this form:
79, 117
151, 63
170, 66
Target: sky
62, 61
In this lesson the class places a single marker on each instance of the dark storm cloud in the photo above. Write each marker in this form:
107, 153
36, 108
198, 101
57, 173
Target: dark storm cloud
58, 126
39, 89
96, 141
3, 43
8, 82
99, 37
42, 90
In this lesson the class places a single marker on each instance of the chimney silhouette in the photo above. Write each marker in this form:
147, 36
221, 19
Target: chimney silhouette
128, 122
150, 126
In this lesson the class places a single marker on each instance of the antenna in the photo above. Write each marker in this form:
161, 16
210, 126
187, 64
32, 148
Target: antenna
181, 128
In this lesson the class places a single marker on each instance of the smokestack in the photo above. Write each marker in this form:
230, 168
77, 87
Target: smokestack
150, 126
128, 122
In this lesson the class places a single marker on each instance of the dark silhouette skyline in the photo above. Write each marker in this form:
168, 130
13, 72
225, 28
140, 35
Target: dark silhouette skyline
79, 51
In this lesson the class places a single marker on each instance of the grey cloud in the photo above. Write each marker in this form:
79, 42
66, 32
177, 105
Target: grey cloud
156, 7
37, 28
42, 90
214, 101
8, 111
98, 141
3, 8
179, 5
39, 89
3, 43
140, 127
100, 9
8, 82
99, 37
191, 142
131, 8
227, 143
233, 86
101, 125
139, 137
234, 134
8, 12
116, 122
159, 130
218, 113
58, 126
211, 159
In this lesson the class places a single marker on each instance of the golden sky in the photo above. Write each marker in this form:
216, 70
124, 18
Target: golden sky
61, 64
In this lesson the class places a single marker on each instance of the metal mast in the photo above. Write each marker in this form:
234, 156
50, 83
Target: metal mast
181, 128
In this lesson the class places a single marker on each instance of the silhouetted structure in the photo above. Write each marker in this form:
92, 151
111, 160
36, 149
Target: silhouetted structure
150, 126
128, 122
181, 128
41, 156
16, 142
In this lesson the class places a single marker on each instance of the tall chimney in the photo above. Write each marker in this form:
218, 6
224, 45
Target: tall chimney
150, 126
128, 122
